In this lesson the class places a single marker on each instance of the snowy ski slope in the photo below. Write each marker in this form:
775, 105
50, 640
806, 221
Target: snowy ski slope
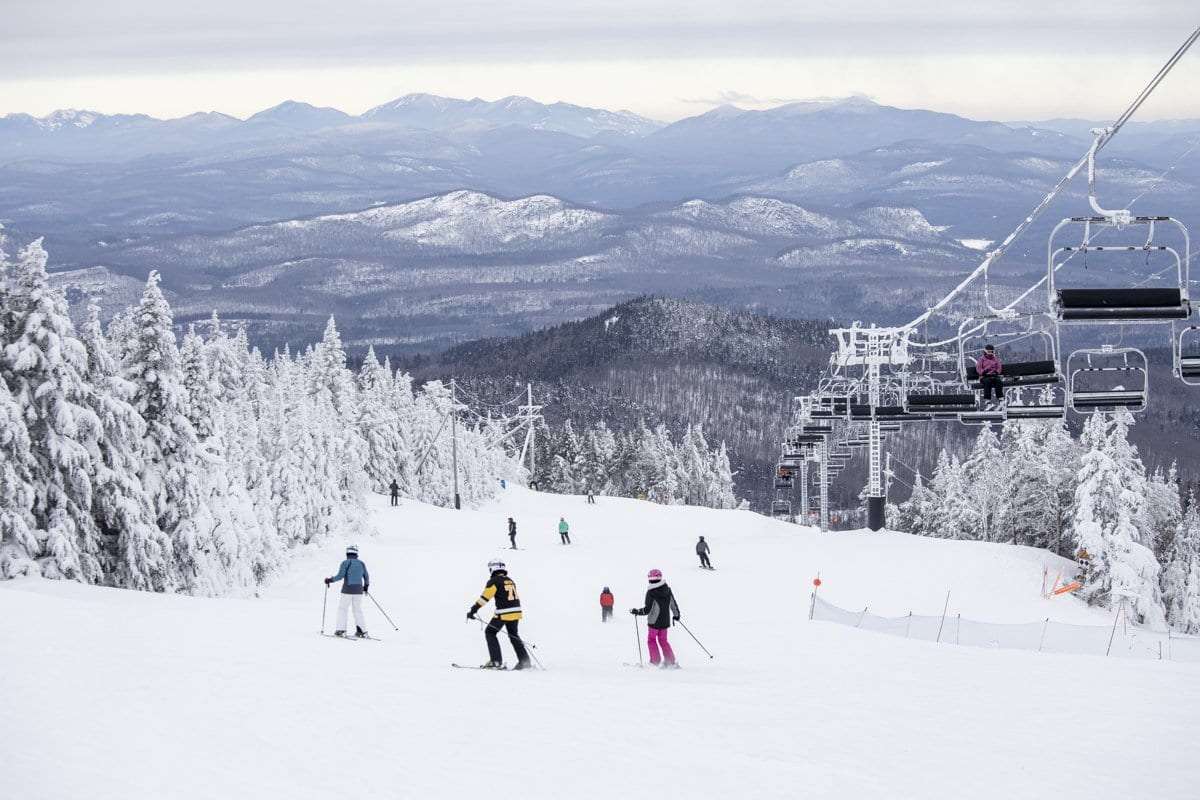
115, 694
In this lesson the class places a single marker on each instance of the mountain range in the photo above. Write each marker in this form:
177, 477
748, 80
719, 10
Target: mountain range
427, 221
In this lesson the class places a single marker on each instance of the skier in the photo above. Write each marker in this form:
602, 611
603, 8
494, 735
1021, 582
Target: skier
355, 584
395, 490
990, 370
702, 551
564, 530
591, 497
503, 590
606, 604
661, 612
512, 533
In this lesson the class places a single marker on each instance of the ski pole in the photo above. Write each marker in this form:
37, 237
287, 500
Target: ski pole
324, 605
637, 634
694, 639
381, 611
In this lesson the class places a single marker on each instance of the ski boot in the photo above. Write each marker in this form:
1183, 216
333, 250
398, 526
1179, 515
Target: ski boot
670, 665
492, 665
523, 665
359, 632
341, 634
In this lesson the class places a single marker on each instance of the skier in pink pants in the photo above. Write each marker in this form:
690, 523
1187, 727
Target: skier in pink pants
661, 611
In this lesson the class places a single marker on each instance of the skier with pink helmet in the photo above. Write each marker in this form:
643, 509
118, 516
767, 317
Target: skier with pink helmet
661, 611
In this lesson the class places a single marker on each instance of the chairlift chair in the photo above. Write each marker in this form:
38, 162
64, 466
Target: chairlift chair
1185, 352
1107, 378
1016, 371
1118, 304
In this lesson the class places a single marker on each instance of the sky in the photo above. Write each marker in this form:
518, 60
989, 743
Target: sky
664, 59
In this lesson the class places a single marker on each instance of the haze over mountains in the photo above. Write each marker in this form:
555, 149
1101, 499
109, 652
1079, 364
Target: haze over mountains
430, 220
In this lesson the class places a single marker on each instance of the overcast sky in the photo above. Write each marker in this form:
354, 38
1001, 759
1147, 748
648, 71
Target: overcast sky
1002, 59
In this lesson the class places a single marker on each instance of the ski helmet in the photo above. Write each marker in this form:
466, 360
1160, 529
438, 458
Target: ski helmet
495, 565
351, 550
654, 576
989, 348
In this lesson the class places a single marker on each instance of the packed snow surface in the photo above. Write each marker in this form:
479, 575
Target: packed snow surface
118, 694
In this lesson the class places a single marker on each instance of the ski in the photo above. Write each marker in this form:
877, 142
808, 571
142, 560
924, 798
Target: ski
485, 669
346, 638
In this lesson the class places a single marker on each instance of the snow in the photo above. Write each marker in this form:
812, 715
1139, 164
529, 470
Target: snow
976, 244
119, 694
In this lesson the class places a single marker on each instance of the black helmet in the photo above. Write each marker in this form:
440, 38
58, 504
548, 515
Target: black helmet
989, 348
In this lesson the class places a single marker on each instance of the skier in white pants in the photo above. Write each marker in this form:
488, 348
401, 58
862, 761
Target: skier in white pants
356, 583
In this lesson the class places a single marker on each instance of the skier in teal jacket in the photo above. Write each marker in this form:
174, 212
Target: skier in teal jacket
355, 583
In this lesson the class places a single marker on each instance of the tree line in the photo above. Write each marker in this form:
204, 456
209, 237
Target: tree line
131, 459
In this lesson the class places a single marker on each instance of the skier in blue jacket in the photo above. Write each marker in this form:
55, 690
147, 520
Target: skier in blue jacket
356, 582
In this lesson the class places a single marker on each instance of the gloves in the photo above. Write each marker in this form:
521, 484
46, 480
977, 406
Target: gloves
676, 618
471, 612
327, 581
637, 612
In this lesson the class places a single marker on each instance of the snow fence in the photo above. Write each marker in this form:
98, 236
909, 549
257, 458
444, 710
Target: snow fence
1121, 639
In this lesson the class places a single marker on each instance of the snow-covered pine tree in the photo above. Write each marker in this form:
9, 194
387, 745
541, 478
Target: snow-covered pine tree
45, 367
173, 470
954, 516
1181, 575
139, 555
720, 492
1163, 512
1109, 502
18, 542
985, 476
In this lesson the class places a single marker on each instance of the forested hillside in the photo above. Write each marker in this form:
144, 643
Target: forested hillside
681, 363
657, 360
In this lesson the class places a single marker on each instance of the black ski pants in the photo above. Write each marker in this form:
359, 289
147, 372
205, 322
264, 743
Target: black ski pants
512, 538
395, 499
993, 387
704, 562
605, 613
566, 538
493, 644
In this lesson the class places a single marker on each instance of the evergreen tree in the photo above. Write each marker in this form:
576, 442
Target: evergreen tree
1109, 501
45, 364
140, 556
1181, 576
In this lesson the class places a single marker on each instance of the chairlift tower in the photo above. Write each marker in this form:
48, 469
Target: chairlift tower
872, 349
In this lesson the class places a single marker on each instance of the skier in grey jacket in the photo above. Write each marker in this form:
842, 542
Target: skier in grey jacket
356, 583
702, 551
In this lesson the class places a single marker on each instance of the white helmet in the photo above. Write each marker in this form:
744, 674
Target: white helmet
495, 564
351, 549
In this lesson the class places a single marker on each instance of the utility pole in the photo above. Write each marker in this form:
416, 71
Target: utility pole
454, 438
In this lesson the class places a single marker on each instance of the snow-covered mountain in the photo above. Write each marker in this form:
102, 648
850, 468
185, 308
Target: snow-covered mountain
451, 114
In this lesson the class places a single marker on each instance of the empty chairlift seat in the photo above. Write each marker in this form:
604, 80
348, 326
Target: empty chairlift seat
1038, 411
1122, 304
1108, 379
943, 404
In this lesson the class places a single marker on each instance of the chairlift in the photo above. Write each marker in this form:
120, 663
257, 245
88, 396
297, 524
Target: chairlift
1107, 378
1018, 369
781, 508
1118, 304
1185, 352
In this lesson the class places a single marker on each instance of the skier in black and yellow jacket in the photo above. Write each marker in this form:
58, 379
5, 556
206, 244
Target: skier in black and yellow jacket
502, 590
